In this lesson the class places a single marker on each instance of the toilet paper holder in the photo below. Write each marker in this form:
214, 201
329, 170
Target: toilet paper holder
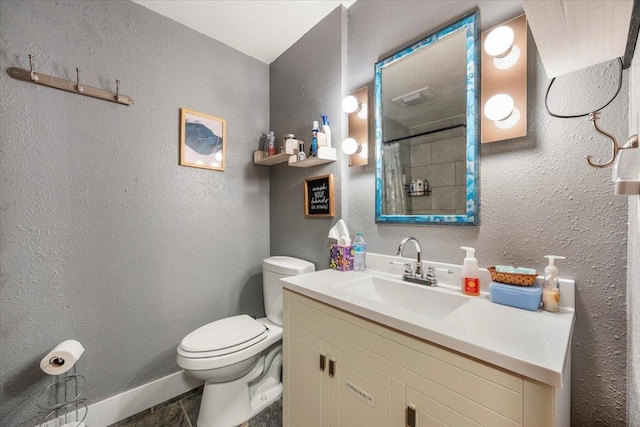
67, 391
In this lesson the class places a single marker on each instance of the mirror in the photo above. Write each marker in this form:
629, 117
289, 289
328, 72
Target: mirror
426, 129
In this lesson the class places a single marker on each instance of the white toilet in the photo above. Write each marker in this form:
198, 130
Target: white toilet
239, 358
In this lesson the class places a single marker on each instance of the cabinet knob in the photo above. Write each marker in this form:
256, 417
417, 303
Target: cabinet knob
411, 416
332, 368
323, 362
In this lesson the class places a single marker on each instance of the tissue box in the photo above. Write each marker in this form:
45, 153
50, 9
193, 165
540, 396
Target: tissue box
341, 257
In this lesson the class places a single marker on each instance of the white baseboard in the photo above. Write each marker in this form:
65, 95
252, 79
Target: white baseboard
123, 405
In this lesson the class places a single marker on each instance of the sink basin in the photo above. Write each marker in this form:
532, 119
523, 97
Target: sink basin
405, 296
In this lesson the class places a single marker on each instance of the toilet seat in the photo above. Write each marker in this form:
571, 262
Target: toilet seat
271, 333
223, 337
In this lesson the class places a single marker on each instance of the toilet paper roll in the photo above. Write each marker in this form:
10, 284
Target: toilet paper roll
62, 357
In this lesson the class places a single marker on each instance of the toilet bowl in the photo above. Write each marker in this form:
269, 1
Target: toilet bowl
240, 358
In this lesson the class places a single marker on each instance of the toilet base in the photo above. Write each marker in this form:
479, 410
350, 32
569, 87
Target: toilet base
231, 403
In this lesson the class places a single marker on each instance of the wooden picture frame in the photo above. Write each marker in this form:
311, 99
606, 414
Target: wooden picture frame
319, 196
203, 140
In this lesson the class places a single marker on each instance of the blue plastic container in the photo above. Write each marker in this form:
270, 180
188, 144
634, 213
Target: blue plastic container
526, 297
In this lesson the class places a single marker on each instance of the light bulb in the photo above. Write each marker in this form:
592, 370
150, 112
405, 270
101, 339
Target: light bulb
507, 61
363, 153
510, 121
350, 104
499, 41
363, 111
349, 146
499, 107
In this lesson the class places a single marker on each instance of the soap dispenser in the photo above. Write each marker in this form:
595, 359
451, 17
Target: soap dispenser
551, 287
470, 273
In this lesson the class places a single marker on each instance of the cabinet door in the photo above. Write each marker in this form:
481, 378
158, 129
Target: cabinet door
360, 394
306, 383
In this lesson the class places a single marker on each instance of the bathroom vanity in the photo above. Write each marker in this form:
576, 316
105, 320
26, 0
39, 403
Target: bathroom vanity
368, 349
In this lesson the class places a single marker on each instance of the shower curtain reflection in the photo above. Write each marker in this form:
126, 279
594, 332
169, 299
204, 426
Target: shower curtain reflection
395, 201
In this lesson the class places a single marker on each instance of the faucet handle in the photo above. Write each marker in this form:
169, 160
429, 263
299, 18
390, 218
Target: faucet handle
431, 277
407, 267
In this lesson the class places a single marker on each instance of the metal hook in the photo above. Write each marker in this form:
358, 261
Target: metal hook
32, 75
593, 117
78, 88
116, 97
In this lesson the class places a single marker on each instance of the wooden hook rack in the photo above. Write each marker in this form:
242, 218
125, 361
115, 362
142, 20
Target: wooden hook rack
75, 87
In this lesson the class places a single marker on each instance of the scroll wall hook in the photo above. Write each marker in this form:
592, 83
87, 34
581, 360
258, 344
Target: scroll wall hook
78, 88
32, 75
116, 97
615, 147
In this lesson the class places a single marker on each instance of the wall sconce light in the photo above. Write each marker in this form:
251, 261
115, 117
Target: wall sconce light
504, 81
356, 145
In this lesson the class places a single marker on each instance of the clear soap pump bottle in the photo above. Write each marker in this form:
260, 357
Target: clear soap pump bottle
551, 287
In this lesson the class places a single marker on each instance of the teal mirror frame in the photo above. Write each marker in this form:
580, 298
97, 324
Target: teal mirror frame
472, 205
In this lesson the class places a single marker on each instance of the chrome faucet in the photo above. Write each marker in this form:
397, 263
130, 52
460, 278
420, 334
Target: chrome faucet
418, 272
419, 277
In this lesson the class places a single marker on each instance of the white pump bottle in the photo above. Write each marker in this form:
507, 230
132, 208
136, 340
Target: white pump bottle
551, 288
470, 273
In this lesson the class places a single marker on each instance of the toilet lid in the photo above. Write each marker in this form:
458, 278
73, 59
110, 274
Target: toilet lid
224, 334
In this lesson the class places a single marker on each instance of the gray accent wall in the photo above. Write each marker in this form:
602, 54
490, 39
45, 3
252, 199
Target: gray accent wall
633, 264
104, 238
538, 195
306, 82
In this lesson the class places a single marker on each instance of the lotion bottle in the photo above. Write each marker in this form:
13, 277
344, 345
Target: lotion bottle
470, 273
326, 129
313, 149
551, 287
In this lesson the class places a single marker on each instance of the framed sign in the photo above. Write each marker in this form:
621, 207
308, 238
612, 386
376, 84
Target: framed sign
318, 196
202, 140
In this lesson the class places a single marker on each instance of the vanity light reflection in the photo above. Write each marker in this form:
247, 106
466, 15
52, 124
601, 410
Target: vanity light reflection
356, 144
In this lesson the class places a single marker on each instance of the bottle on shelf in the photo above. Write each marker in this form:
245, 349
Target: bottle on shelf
360, 247
270, 145
313, 149
419, 187
326, 129
412, 187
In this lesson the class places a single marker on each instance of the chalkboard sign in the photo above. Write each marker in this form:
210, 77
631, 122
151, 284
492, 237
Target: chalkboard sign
318, 196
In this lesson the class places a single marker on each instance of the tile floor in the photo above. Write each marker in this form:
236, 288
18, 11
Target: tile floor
182, 411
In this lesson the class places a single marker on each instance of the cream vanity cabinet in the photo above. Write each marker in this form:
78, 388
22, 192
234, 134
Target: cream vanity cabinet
342, 370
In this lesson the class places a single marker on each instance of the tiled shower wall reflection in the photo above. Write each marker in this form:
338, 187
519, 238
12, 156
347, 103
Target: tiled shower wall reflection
182, 411
440, 159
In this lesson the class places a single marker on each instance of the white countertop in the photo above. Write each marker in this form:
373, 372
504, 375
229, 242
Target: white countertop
535, 344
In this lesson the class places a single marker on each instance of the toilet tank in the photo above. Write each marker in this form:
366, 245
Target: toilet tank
273, 269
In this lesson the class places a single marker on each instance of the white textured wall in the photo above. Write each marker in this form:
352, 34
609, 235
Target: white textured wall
104, 238
633, 289
539, 196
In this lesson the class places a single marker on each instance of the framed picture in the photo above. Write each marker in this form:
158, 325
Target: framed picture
318, 196
203, 140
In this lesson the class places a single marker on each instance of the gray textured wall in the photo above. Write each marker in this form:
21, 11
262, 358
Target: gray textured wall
306, 82
104, 238
633, 289
538, 194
